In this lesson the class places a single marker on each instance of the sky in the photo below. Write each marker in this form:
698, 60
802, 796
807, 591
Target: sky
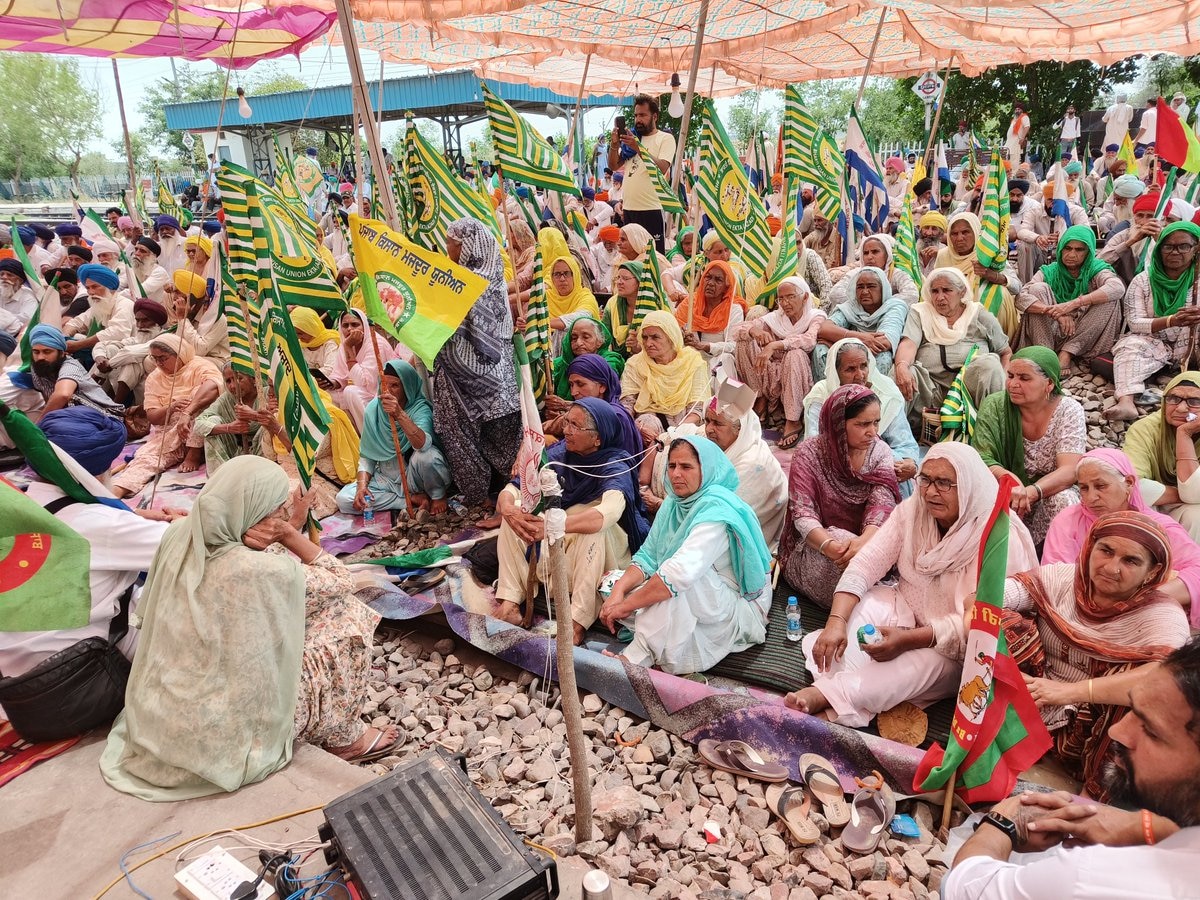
316, 66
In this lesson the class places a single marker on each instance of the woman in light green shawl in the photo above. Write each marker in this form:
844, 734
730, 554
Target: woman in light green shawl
1072, 305
212, 695
697, 589
1035, 433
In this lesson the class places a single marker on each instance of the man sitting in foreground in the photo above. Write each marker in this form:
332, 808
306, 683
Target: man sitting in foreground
1149, 852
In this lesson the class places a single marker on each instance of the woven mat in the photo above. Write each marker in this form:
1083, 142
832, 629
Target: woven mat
17, 755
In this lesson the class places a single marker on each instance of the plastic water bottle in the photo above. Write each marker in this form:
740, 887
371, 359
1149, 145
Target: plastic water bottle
868, 635
794, 630
369, 511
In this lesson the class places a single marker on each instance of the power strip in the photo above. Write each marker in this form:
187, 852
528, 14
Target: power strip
216, 875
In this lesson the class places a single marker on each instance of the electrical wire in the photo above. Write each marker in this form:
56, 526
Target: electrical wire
125, 874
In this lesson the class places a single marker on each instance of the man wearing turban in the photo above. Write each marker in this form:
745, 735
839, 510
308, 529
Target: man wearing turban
932, 241
598, 212
74, 298
199, 250
106, 253
150, 275
604, 249
56, 380
129, 231
77, 256
200, 321
109, 317
39, 257
18, 302
1040, 229
120, 365
1123, 249
170, 239
69, 235
1117, 212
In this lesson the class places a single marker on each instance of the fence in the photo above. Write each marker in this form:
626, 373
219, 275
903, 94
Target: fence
96, 188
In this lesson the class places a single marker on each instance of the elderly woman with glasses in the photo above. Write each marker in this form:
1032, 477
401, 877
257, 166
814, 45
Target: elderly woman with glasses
1163, 448
932, 540
1161, 314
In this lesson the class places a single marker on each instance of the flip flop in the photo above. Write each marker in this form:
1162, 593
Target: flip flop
822, 779
792, 805
788, 441
870, 814
740, 758
416, 584
374, 751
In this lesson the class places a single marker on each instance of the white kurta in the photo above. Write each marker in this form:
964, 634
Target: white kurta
706, 618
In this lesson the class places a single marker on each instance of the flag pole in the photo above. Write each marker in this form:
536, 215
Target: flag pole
948, 806
701, 21
587, 64
695, 195
124, 128
408, 504
358, 90
862, 84
937, 116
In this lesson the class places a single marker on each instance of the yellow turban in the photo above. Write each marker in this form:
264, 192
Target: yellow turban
934, 220
307, 321
191, 284
198, 240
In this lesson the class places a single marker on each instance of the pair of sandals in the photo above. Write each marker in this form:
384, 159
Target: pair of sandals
865, 819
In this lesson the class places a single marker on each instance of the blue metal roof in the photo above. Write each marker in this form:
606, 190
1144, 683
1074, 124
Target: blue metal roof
432, 96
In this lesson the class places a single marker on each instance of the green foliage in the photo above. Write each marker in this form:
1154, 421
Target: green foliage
1045, 87
47, 113
752, 112
667, 122
889, 111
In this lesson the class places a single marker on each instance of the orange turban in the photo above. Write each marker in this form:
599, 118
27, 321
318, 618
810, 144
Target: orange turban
774, 224
610, 233
777, 180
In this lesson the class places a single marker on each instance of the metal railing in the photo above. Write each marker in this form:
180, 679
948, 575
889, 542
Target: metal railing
91, 188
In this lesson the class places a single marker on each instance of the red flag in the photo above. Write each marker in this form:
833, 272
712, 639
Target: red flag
1174, 141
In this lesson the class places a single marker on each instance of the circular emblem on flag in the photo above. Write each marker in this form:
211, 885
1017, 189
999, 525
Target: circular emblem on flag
428, 203
24, 560
307, 174
829, 155
289, 256
397, 298
732, 197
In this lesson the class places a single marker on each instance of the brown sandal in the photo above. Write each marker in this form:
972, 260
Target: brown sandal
822, 779
740, 758
792, 805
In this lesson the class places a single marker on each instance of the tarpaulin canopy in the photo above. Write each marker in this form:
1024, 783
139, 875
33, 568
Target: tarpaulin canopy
150, 29
795, 40
404, 43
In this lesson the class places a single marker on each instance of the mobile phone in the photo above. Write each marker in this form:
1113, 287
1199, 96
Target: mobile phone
318, 375
620, 124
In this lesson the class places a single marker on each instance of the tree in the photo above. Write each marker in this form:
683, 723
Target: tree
751, 113
190, 84
42, 105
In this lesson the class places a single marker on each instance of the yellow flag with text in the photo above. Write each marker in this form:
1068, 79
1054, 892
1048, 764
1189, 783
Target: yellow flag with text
418, 296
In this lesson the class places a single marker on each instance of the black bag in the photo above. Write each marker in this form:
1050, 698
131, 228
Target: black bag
484, 560
76, 689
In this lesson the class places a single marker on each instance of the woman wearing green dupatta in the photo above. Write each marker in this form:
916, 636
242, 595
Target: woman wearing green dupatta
1073, 305
1035, 433
1162, 313
698, 589
622, 306
1163, 448
586, 335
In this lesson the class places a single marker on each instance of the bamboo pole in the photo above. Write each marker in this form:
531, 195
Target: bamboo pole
948, 806
565, 659
124, 129
695, 195
359, 90
408, 504
693, 71
587, 64
862, 84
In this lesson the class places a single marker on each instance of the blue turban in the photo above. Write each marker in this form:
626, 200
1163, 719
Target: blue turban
68, 230
27, 235
1113, 148
588, 193
210, 226
47, 336
87, 435
99, 274
43, 232
167, 220
8, 343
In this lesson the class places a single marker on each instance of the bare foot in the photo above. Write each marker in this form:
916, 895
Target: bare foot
1122, 411
492, 521
577, 633
612, 655
507, 611
420, 501
359, 747
438, 507
808, 700
192, 459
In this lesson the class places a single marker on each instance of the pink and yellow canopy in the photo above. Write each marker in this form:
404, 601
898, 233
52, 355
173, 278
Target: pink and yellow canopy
142, 29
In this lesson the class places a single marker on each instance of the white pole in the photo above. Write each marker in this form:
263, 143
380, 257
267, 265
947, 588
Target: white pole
701, 21
871, 56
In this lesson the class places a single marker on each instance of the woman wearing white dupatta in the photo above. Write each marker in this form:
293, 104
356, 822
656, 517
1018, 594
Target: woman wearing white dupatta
774, 354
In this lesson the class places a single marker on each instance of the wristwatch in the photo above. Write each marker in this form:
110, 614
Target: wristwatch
1005, 824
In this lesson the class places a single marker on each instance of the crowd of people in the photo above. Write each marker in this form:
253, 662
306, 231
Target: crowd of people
680, 511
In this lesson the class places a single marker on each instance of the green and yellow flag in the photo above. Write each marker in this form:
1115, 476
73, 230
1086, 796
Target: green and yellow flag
416, 295
285, 178
731, 204
241, 332
811, 155
537, 329
522, 153
670, 201
907, 259
1126, 153
650, 296
439, 196
991, 249
167, 204
787, 254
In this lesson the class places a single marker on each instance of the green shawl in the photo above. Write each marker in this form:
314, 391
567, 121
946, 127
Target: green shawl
1170, 293
567, 356
716, 501
1067, 287
998, 436
677, 252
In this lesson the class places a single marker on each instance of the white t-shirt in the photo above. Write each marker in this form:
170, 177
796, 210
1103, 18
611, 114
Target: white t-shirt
637, 191
1149, 123
960, 140
1070, 128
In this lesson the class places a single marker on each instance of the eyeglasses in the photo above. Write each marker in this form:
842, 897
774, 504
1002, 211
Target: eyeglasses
1178, 249
1175, 400
569, 425
161, 358
941, 485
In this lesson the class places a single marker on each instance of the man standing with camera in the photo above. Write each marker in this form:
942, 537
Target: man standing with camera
641, 205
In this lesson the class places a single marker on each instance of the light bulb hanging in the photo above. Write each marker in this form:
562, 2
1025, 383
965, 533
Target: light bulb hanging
675, 107
244, 109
